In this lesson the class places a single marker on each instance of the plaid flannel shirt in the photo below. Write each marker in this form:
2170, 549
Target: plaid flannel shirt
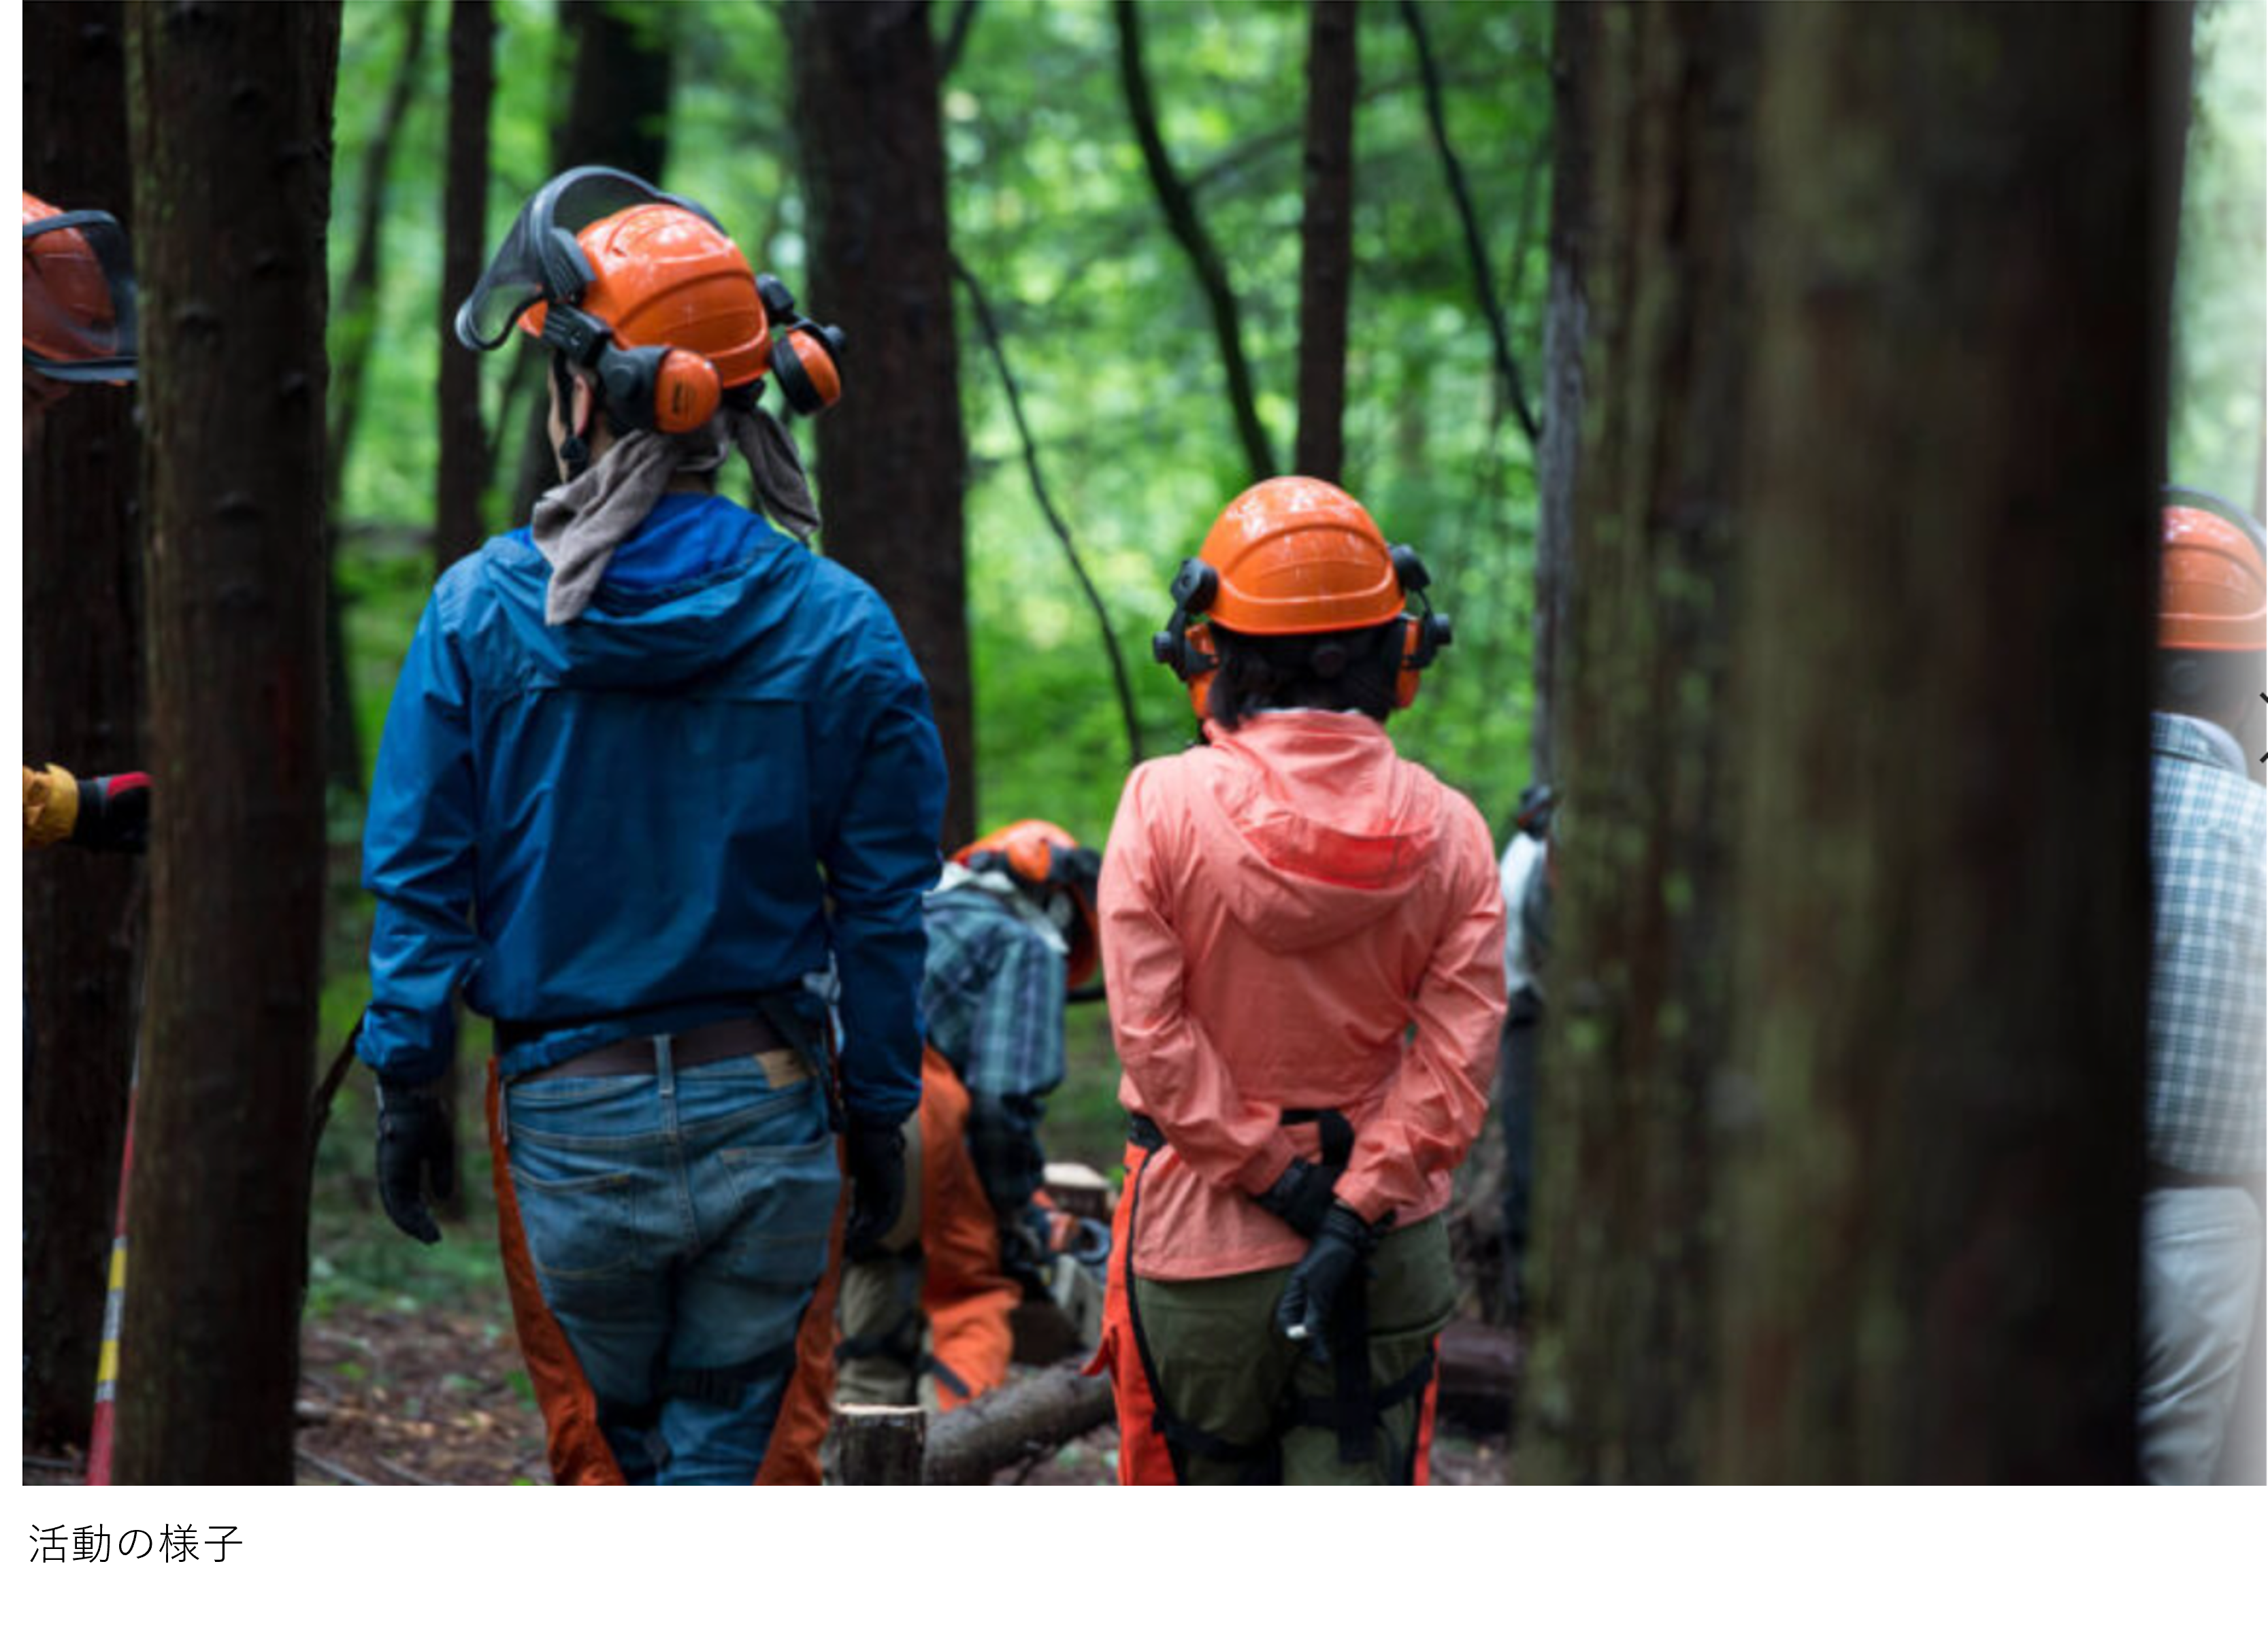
992, 998
2209, 877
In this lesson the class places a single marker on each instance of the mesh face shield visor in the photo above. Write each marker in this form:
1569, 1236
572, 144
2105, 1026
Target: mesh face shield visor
540, 260
78, 297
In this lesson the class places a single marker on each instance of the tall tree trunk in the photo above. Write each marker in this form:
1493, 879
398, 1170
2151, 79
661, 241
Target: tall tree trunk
892, 458
1188, 230
234, 296
1566, 332
617, 114
356, 326
457, 525
1653, 161
1932, 1123
1327, 239
83, 703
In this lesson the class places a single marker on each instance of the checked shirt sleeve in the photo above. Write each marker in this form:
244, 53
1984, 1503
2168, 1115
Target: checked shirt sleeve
2208, 1021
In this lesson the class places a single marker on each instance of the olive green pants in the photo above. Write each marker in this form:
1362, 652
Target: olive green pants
1221, 1368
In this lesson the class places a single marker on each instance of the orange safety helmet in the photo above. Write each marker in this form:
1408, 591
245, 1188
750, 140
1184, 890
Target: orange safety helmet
646, 289
79, 295
1297, 555
1057, 870
2213, 577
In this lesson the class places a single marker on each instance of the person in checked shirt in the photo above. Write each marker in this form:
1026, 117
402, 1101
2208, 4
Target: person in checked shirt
2201, 1211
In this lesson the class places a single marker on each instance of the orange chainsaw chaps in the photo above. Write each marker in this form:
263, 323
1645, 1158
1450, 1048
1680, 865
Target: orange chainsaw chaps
572, 1439
792, 1456
1144, 1456
965, 1297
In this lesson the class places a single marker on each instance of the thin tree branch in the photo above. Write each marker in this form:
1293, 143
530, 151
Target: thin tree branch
356, 315
956, 35
1182, 217
1436, 117
991, 332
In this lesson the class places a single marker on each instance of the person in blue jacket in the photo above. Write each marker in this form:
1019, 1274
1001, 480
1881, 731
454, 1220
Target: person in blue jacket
653, 777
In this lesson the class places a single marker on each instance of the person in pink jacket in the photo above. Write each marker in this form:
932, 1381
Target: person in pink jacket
1303, 940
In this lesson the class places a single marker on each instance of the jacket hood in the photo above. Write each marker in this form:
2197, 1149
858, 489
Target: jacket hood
698, 582
1317, 824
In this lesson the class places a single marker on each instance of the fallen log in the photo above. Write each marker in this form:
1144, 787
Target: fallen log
1026, 1419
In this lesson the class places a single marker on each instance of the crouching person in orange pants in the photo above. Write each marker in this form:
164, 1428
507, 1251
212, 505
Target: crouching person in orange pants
1011, 929
1303, 938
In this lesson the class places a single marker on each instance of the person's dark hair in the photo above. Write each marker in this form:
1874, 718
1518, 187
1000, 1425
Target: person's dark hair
2210, 684
1345, 669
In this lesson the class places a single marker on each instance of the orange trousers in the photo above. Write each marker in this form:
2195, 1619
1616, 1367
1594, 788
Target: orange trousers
944, 1269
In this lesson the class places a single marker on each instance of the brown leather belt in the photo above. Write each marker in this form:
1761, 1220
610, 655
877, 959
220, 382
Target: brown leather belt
704, 1045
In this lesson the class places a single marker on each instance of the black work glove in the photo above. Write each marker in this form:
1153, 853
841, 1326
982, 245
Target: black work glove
114, 813
417, 1149
1300, 1197
1025, 1253
1339, 1251
876, 1155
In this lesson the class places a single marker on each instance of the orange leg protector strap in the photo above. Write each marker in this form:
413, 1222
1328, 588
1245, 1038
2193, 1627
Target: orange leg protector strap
578, 1448
1144, 1456
808, 1405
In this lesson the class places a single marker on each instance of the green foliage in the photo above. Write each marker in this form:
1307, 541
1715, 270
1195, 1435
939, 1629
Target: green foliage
1105, 329
2220, 282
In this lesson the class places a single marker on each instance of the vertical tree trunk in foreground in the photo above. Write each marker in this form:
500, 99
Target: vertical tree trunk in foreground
82, 702
233, 378
892, 458
1931, 1133
457, 527
1566, 310
1654, 172
1327, 239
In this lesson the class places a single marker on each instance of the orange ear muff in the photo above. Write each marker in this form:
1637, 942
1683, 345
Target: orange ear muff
803, 362
1201, 662
686, 390
1405, 682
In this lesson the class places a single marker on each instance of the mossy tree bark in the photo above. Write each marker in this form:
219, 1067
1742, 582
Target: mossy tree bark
233, 378
1840, 1162
1652, 175
892, 459
1930, 1140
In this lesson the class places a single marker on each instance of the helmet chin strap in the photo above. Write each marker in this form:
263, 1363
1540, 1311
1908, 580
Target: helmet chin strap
574, 452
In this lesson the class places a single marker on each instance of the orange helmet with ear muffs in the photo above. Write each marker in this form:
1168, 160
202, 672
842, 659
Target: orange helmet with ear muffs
2212, 575
647, 291
79, 295
1297, 555
1058, 871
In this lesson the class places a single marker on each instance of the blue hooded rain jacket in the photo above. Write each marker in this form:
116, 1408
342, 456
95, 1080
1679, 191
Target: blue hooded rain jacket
721, 772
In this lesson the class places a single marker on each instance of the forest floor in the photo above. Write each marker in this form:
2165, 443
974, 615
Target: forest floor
433, 1396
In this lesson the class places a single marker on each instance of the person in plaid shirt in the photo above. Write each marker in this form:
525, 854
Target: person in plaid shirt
2201, 1213
1012, 930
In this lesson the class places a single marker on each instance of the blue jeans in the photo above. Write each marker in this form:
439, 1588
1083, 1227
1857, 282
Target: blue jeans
2200, 1282
678, 1224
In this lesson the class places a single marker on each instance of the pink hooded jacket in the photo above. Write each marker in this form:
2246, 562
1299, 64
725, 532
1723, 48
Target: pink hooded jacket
1279, 909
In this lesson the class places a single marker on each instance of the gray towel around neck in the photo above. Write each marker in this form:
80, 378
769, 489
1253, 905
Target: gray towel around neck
578, 524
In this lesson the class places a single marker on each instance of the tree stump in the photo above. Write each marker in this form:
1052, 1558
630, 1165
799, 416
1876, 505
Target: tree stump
880, 1444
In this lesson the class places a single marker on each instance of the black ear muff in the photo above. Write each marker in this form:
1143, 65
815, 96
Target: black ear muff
803, 362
